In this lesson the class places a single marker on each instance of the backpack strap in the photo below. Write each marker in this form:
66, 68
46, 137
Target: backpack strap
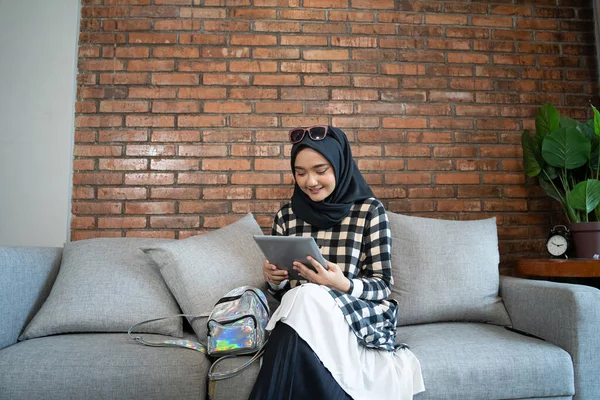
188, 344
217, 376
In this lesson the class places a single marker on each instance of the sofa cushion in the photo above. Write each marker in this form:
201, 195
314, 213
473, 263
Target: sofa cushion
482, 361
100, 366
27, 277
201, 269
106, 285
446, 270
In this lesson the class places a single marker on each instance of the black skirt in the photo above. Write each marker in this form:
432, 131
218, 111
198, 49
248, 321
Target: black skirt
291, 370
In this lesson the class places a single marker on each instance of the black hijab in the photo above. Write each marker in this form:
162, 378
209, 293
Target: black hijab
350, 185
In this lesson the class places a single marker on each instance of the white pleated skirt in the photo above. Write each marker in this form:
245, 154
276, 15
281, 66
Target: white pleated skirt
363, 373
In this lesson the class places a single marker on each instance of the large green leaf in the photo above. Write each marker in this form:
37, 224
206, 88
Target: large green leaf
568, 122
549, 188
596, 121
546, 120
532, 154
585, 196
566, 148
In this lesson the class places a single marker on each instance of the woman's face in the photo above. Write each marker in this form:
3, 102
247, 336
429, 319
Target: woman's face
314, 174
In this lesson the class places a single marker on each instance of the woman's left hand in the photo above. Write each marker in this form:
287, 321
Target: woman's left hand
332, 277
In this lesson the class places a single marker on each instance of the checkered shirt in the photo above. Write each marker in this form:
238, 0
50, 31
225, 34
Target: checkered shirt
361, 246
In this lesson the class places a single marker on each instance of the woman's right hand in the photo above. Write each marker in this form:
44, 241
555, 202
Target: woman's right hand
272, 274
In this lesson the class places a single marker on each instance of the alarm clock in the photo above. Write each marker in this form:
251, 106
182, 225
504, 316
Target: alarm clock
559, 241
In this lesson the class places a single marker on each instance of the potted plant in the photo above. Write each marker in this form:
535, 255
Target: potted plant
564, 154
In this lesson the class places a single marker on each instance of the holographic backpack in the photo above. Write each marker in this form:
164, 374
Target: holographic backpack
236, 326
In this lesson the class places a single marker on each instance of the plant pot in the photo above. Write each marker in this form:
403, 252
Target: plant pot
586, 239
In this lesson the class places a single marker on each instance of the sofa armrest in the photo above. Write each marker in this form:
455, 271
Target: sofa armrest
27, 275
567, 315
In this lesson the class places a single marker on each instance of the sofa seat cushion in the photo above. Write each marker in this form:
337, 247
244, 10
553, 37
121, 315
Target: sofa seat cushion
481, 361
100, 366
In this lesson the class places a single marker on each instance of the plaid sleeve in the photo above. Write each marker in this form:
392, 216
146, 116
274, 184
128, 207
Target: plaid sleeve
377, 247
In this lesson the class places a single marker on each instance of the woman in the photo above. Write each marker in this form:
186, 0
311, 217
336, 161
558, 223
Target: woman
333, 334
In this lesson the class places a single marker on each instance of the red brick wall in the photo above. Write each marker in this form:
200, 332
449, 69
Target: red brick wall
183, 106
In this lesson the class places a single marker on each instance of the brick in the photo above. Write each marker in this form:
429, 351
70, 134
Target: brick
152, 93
122, 193
429, 137
458, 205
98, 121
429, 165
303, 67
283, 193
123, 78
329, 80
176, 25
175, 52
228, 107
225, 165
121, 222
203, 207
411, 205
123, 106
100, 65
202, 93
226, 52
477, 165
176, 222
230, 193
178, 136
125, 135
230, 26
382, 82
252, 93
201, 178
202, 151
200, 121
261, 178
328, 108
352, 94
144, 207
253, 66
119, 164
450, 123
173, 165
411, 123
85, 107
175, 107
132, 52
150, 65
96, 178
226, 136
150, 121
201, 66
149, 178
151, 234
245, 150
83, 208
202, 39
431, 192
242, 121
83, 223
81, 235
175, 79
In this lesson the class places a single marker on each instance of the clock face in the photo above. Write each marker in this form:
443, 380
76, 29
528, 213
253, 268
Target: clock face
557, 245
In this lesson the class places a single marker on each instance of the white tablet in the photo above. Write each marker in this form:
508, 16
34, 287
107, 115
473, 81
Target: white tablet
282, 251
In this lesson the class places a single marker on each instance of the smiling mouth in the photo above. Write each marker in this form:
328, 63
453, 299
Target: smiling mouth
314, 191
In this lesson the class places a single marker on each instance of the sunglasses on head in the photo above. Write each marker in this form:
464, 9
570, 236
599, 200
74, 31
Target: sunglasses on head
314, 132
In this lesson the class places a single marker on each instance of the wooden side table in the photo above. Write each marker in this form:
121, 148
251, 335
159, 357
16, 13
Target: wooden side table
572, 270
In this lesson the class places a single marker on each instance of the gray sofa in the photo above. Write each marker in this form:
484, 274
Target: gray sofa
459, 359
